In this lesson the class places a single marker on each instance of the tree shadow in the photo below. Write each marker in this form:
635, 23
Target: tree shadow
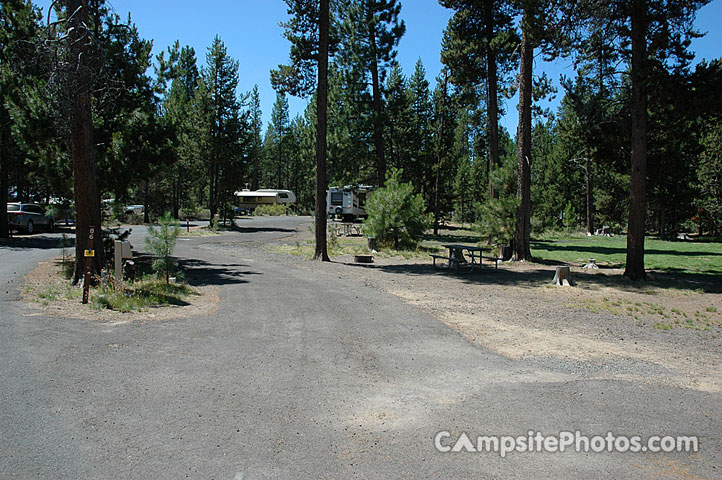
200, 273
40, 241
239, 229
538, 277
451, 238
606, 250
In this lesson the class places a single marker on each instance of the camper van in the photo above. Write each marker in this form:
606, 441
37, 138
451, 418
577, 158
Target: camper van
347, 202
248, 200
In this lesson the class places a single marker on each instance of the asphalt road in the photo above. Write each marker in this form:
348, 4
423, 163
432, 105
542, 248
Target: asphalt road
299, 374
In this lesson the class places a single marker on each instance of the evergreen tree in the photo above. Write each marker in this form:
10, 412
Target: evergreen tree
373, 30
443, 127
221, 123
398, 116
647, 32
256, 141
421, 158
18, 34
279, 129
477, 46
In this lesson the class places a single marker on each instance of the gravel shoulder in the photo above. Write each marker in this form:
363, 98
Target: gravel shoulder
602, 328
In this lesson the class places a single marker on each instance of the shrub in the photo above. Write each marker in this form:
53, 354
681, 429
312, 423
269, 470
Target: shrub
569, 217
196, 213
54, 212
271, 210
396, 216
161, 242
134, 219
496, 218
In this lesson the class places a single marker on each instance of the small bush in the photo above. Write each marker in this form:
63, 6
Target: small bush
270, 210
396, 216
194, 213
161, 242
143, 294
569, 217
54, 212
496, 218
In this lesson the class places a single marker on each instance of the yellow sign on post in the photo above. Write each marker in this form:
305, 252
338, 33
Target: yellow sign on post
90, 253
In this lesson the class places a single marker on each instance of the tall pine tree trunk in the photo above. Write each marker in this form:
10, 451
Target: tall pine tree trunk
321, 252
492, 103
87, 200
590, 195
522, 234
4, 173
378, 112
635, 233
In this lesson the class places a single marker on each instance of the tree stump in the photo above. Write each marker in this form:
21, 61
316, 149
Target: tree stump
563, 277
592, 263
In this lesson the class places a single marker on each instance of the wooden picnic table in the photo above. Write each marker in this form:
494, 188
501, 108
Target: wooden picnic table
461, 256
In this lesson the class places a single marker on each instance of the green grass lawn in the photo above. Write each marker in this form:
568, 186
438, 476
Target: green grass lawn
667, 255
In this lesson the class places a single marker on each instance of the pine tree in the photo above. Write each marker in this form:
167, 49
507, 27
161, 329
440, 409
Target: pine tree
256, 141
477, 46
18, 33
373, 30
279, 129
421, 157
220, 122
398, 115
647, 33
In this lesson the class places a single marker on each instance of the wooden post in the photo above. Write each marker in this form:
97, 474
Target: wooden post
89, 254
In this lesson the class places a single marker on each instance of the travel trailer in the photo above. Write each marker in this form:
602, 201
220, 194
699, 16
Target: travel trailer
347, 202
248, 200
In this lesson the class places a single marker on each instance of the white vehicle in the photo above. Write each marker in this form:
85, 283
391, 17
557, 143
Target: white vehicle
248, 200
347, 202
28, 217
134, 209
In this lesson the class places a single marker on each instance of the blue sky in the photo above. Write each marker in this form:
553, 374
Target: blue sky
251, 32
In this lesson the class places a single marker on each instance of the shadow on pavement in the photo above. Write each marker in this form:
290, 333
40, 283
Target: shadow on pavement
21, 242
199, 273
260, 229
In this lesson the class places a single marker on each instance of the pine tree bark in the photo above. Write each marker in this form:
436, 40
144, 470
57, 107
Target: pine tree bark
87, 199
321, 252
635, 232
4, 174
492, 102
590, 195
378, 112
522, 234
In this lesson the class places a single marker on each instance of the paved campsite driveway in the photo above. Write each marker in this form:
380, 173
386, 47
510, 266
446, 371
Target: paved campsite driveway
298, 374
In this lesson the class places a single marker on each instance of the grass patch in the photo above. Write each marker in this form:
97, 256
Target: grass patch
663, 326
140, 295
50, 293
199, 232
338, 246
665, 255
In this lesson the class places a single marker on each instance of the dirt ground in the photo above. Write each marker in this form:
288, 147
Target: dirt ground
604, 327
48, 293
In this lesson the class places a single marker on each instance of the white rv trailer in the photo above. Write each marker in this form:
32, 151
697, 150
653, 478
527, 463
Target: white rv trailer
347, 202
248, 200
